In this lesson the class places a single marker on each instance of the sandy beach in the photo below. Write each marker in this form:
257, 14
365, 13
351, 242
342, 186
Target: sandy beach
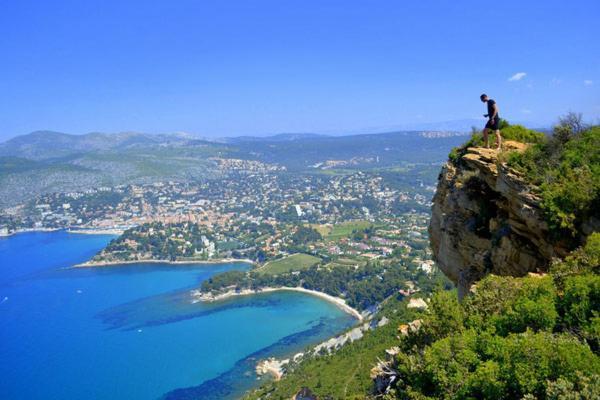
90, 264
92, 231
341, 303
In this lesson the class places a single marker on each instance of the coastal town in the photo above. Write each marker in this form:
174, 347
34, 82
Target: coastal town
300, 229
249, 197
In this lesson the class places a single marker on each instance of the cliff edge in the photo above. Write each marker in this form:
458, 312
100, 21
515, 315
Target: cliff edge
487, 219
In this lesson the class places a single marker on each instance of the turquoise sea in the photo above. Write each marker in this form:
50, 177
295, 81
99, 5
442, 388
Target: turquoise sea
131, 332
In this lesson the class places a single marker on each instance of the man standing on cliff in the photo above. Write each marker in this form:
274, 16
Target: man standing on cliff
493, 121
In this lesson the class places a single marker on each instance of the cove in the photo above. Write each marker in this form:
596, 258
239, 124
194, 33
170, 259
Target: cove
131, 332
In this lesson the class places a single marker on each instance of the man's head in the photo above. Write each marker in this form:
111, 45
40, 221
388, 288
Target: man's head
484, 97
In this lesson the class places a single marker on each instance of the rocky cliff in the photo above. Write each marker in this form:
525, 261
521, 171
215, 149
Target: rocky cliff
487, 219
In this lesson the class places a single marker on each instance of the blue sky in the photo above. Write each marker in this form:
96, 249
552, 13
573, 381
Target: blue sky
219, 68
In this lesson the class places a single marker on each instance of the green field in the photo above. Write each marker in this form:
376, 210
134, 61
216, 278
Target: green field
346, 263
324, 230
295, 262
335, 171
344, 230
339, 231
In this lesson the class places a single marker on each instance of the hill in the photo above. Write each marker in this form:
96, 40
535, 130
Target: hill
43, 145
57, 162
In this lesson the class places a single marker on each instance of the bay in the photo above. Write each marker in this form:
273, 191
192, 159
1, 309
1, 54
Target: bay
131, 331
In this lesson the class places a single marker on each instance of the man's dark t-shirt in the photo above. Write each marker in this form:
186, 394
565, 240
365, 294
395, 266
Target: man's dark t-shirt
490, 106
492, 123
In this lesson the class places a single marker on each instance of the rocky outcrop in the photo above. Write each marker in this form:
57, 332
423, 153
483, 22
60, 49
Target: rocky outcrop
272, 366
487, 219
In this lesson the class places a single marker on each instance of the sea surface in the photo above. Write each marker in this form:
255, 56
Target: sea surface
131, 332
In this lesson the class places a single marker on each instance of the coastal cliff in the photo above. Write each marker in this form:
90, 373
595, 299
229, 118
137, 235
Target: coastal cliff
523, 224
487, 220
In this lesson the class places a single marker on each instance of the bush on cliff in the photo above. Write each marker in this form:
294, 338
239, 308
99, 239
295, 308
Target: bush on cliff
472, 365
521, 134
517, 133
581, 261
566, 171
580, 307
506, 305
534, 337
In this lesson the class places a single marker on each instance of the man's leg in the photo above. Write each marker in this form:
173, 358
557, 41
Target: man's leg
486, 142
498, 139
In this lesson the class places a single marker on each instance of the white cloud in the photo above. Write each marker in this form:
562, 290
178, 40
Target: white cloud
517, 77
556, 81
588, 82
526, 111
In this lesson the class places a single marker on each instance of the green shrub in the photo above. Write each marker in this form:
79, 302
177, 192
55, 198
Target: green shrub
521, 134
455, 155
444, 316
530, 360
535, 337
584, 388
505, 304
581, 261
517, 133
567, 196
567, 176
580, 303
472, 365
509, 132
449, 362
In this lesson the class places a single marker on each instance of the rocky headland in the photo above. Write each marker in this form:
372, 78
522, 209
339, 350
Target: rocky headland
487, 219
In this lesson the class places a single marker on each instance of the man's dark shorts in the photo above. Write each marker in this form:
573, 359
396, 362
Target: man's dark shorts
493, 124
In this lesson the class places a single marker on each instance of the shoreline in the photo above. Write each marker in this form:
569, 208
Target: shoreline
29, 230
339, 302
92, 264
107, 231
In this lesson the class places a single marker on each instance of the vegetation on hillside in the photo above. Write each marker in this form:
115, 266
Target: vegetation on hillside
156, 241
345, 373
362, 287
565, 168
534, 337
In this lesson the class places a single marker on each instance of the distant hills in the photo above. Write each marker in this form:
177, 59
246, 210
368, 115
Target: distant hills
457, 126
41, 145
281, 137
47, 161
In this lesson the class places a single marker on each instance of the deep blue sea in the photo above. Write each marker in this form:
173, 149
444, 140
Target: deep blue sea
131, 332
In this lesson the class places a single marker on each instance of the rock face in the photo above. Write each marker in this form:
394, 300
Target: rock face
486, 219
